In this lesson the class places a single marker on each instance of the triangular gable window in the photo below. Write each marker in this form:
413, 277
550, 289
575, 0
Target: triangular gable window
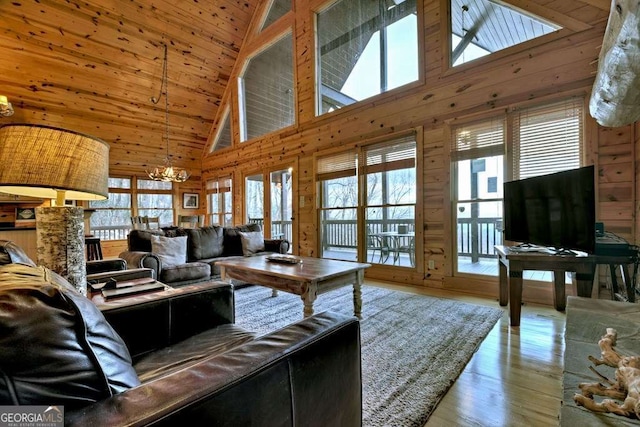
277, 10
223, 137
481, 27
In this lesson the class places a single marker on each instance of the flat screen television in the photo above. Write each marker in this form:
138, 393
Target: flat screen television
555, 210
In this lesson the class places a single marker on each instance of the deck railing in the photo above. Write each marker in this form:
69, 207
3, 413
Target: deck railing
476, 237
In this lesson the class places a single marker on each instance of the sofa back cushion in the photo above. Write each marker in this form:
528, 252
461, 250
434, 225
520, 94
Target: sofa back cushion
140, 240
57, 347
205, 242
232, 240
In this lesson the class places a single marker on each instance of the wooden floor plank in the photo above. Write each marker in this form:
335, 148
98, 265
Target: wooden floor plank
514, 378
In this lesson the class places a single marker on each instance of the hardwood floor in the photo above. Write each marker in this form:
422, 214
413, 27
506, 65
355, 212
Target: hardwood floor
515, 377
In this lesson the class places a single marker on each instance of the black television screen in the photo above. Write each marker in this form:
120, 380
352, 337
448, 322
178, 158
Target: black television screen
555, 210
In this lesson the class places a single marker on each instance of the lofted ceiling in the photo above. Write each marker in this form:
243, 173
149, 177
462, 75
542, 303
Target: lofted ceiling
92, 66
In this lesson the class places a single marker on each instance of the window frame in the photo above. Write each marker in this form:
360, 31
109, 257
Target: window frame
383, 93
351, 164
134, 209
217, 212
510, 119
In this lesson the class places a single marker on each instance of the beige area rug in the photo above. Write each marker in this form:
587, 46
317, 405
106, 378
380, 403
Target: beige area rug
413, 347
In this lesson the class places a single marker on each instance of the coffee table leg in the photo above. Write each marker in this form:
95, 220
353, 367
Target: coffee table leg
357, 294
308, 297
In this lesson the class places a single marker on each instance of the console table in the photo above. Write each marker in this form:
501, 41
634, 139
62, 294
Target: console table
513, 263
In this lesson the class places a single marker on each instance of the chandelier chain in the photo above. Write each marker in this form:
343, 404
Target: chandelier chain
168, 172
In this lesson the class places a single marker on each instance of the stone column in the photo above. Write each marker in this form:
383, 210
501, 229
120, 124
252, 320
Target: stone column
60, 239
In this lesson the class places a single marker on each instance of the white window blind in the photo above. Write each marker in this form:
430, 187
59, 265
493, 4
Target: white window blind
478, 139
547, 139
220, 185
338, 165
391, 155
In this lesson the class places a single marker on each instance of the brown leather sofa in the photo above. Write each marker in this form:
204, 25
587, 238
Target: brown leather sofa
168, 358
205, 246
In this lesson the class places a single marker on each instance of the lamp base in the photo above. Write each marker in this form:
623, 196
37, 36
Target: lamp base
60, 239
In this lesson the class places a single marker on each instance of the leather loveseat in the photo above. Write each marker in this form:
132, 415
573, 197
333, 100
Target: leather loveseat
204, 246
168, 358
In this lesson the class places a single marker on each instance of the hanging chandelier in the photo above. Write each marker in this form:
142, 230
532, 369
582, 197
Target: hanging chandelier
167, 172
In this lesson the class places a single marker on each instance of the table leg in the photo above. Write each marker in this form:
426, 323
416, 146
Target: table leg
357, 294
308, 297
559, 297
584, 279
504, 284
631, 292
515, 296
223, 273
614, 282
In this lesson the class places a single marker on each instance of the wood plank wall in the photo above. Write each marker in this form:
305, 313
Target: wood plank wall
548, 68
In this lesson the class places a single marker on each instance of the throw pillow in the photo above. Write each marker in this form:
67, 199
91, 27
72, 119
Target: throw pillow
252, 242
57, 347
171, 250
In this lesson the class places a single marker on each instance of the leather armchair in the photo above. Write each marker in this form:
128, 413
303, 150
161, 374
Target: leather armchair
169, 358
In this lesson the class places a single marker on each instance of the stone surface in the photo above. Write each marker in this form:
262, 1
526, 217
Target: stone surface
60, 240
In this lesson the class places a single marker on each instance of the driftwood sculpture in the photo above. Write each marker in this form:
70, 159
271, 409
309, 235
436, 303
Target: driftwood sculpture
615, 97
626, 387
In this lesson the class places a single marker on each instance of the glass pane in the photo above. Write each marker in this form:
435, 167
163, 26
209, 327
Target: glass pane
340, 192
110, 224
339, 234
479, 229
156, 205
254, 199
276, 11
268, 90
119, 182
391, 187
223, 137
482, 27
115, 200
366, 47
402, 52
390, 234
281, 205
149, 184
480, 178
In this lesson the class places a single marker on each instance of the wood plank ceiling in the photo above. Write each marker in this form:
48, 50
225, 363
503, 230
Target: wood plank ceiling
92, 67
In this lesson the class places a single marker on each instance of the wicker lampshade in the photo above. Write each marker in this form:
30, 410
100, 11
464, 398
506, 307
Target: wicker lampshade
40, 161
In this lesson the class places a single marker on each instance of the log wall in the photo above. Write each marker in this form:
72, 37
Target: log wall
551, 67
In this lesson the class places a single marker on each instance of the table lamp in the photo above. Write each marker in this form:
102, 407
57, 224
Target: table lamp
52, 163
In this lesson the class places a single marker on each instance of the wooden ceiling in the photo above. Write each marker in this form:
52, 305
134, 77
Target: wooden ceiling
92, 66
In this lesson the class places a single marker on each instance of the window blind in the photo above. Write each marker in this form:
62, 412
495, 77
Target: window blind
336, 166
397, 154
547, 139
478, 139
219, 185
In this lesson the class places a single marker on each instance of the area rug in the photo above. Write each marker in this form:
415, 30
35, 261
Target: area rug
413, 346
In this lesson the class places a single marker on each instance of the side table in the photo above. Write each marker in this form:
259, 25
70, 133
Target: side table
512, 264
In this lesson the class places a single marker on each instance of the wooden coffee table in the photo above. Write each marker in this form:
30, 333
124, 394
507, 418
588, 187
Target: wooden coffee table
309, 278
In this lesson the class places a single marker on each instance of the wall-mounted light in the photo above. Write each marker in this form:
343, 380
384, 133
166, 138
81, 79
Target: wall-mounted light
6, 109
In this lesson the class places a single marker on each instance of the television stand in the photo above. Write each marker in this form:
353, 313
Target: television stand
513, 262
